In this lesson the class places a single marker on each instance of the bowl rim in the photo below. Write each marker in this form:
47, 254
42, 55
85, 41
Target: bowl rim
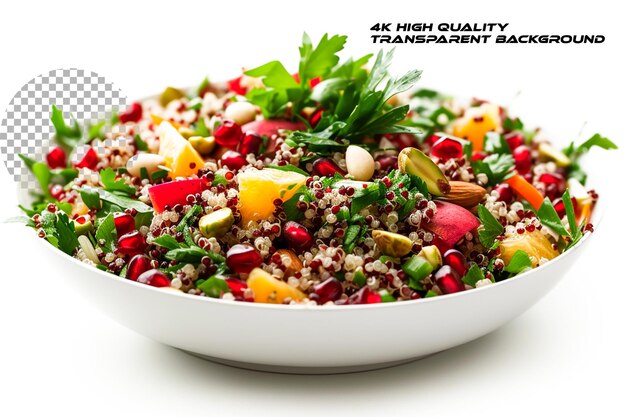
597, 216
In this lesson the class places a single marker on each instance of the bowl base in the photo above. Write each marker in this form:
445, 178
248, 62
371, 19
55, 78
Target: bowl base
305, 370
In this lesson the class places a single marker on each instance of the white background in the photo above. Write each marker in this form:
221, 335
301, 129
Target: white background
566, 355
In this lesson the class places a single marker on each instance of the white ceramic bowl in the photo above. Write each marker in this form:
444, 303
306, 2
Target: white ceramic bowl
300, 339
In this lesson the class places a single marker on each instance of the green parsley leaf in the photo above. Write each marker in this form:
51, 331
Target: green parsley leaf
571, 215
497, 167
596, 140
364, 197
68, 241
519, 263
186, 221
193, 254
318, 61
574, 152
290, 206
353, 233
107, 177
29, 162
289, 168
496, 144
68, 137
431, 293
123, 202
491, 227
95, 131
42, 173
426, 93
549, 217
91, 198
167, 241
63, 175
511, 124
351, 69
107, 234
473, 275
274, 75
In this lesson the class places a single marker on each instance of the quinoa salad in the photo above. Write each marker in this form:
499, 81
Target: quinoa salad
335, 184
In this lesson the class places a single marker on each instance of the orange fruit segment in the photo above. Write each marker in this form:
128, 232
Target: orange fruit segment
259, 188
476, 122
157, 120
535, 244
182, 159
268, 289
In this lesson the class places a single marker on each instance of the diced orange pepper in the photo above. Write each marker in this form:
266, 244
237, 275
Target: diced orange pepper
585, 214
526, 190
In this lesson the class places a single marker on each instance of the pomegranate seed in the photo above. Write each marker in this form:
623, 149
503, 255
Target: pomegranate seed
228, 134
505, 191
478, 156
360, 297
251, 143
233, 160
514, 140
236, 286
373, 298
124, 223
447, 148
90, 160
137, 266
316, 117
57, 191
325, 167
297, 236
314, 81
56, 158
555, 184
155, 278
131, 243
243, 258
329, 290
456, 260
522, 158
448, 280
235, 87
387, 162
401, 140
432, 139
559, 206
132, 114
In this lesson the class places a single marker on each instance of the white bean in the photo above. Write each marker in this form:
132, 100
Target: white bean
241, 112
360, 163
149, 161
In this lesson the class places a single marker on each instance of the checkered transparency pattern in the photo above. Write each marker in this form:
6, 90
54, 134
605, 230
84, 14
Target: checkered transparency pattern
26, 127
